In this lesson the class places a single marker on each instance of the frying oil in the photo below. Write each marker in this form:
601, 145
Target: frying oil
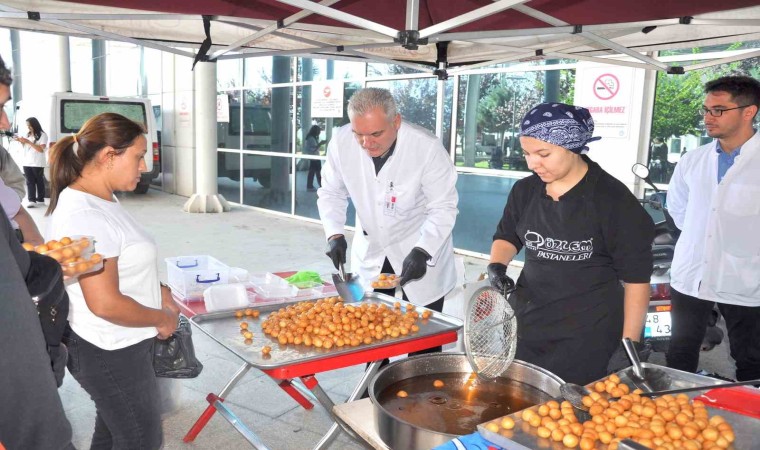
463, 402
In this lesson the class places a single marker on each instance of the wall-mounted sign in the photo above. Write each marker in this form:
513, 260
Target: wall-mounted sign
222, 108
606, 92
327, 99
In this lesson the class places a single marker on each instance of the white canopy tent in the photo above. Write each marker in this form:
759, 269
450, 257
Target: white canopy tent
427, 35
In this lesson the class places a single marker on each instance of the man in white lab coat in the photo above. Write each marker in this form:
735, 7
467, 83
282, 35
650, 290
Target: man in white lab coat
714, 197
403, 185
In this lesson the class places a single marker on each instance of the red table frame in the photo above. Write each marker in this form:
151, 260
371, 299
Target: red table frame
306, 372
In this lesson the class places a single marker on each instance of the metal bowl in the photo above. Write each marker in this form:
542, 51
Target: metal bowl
417, 425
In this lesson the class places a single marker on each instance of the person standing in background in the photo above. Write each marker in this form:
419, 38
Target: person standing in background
311, 147
714, 198
35, 161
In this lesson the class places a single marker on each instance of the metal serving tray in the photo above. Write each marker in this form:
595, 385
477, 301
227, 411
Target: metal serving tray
746, 429
224, 327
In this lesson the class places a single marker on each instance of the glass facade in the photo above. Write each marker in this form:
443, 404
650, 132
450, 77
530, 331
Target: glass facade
260, 154
276, 116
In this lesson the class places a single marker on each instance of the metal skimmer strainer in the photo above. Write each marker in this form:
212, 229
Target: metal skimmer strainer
490, 333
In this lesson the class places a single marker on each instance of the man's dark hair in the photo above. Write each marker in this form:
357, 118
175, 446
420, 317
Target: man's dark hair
5, 74
744, 90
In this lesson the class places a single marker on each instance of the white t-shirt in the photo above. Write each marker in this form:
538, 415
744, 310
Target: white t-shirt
116, 233
33, 158
10, 201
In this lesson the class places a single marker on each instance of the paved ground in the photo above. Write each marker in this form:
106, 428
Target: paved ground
258, 242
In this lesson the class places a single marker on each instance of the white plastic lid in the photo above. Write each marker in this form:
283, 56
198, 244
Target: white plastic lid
225, 296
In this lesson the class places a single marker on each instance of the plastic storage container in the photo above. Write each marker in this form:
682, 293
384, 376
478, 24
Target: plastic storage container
189, 276
385, 281
269, 285
76, 254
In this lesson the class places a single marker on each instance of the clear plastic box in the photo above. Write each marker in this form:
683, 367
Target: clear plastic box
189, 276
385, 281
269, 285
76, 254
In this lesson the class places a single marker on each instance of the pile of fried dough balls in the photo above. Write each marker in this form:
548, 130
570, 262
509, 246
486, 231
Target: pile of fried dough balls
329, 322
664, 423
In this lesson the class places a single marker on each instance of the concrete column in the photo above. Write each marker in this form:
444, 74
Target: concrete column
281, 128
307, 74
551, 82
64, 64
471, 119
16, 56
99, 67
206, 199
329, 120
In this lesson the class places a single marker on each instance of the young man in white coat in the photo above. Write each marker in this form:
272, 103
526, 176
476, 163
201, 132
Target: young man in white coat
403, 186
714, 197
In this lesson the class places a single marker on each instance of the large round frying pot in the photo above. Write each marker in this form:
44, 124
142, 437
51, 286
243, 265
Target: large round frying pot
537, 385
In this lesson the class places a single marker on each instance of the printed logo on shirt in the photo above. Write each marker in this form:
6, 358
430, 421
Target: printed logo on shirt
558, 249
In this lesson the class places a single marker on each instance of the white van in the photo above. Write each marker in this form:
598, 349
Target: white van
67, 112
257, 135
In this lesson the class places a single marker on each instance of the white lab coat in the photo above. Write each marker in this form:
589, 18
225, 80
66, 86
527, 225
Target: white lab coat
717, 257
424, 184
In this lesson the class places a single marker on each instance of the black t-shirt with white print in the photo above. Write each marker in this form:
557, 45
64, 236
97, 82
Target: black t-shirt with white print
577, 251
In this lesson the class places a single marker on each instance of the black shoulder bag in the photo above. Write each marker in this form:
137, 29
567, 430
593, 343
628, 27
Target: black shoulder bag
44, 280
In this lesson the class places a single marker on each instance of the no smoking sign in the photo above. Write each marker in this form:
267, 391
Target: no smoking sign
606, 86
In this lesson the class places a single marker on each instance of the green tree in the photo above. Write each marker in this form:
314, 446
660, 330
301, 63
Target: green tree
677, 100
679, 97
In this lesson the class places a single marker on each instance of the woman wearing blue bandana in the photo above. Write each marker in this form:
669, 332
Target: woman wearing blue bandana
587, 240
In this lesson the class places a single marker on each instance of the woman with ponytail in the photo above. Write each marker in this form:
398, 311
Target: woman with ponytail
117, 311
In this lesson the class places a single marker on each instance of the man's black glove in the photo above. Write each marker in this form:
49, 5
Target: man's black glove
497, 276
336, 250
620, 360
414, 266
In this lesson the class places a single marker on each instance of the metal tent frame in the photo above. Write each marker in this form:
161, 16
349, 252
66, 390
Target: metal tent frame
438, 48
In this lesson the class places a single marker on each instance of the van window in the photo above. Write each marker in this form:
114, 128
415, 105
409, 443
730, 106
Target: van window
74, 113
256, 119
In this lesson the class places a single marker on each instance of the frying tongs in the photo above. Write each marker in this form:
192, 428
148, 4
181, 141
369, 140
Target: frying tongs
349, 287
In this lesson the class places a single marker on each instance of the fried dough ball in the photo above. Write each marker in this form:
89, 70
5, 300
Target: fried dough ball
404, 394
266, 350
328, 322
438, 383
667, 422
508, 423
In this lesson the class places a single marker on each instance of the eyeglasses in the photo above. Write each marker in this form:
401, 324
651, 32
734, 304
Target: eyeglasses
716, 112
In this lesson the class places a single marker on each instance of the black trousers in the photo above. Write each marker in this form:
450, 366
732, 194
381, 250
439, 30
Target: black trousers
35, 183
315, 167
689, 320
122, 383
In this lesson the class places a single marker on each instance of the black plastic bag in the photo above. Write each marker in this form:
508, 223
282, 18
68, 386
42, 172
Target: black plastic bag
175, 357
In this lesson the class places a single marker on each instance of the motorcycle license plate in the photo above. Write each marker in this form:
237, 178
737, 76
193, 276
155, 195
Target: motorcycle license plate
657, 324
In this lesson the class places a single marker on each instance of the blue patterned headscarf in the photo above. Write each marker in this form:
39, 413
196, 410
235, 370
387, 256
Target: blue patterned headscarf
564, 125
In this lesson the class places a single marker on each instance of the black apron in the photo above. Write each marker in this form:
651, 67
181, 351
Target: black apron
569, 302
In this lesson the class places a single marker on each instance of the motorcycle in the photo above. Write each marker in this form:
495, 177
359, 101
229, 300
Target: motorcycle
658, 326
